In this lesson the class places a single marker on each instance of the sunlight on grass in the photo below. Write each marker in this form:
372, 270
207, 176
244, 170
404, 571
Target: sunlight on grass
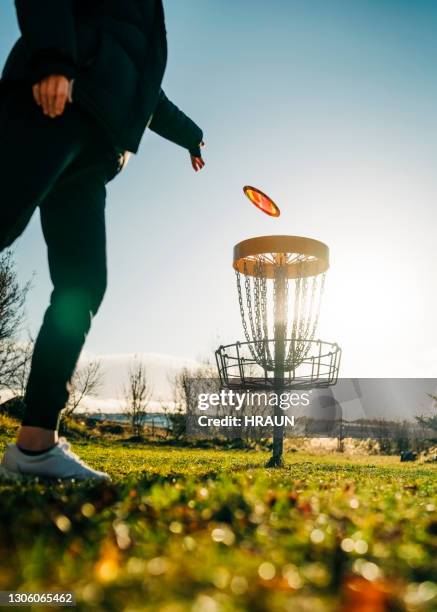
199, 530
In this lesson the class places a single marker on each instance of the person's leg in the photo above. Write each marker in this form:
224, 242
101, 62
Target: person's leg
73, 221
35, 150
53, 164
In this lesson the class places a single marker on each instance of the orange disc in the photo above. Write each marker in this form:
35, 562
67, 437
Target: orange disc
262, 201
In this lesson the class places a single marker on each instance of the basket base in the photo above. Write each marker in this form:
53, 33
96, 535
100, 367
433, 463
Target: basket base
239, 371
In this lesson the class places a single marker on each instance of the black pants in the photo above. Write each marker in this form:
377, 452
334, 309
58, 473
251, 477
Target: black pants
61, 166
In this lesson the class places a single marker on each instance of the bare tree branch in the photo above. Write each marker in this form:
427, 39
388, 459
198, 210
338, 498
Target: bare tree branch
14, 357
137, 394
86, 381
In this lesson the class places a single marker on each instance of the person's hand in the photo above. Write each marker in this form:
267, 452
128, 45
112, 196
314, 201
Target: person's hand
52, 94
197, 162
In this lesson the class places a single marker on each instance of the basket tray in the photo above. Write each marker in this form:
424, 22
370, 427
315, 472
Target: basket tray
240, 370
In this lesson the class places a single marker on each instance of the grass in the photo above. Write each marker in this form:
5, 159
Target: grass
214, 531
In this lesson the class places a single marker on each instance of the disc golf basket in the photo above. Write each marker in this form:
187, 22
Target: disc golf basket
280, 281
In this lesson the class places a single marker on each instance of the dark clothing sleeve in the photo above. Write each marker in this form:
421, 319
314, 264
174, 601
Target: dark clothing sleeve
48, 30
171, 123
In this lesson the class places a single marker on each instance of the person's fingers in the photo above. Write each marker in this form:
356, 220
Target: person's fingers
44, 96
61, 96
52, 94
48, 96
61, 101
197, 163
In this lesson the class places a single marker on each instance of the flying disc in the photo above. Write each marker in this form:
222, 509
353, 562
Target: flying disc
262, 201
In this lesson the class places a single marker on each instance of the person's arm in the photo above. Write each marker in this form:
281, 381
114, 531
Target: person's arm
48, 31
171, 123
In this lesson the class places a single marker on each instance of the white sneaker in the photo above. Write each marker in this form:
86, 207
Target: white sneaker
58, 462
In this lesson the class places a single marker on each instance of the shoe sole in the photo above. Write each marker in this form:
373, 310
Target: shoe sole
6, 474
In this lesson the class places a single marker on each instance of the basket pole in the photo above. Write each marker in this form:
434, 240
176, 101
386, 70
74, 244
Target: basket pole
280, 327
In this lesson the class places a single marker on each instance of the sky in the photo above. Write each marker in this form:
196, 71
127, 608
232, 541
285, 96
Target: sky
331, 108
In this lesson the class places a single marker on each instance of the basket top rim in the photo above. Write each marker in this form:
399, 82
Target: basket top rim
293, 256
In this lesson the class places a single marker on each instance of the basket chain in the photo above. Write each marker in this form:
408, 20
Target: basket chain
305, 304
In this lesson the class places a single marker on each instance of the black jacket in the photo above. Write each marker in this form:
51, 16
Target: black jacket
116, 51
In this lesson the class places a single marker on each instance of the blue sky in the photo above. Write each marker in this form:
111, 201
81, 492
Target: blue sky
331, 107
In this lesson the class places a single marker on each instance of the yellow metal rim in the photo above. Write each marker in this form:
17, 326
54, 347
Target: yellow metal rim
299, 256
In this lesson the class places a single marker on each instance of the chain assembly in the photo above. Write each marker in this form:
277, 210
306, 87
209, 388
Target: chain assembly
260, 300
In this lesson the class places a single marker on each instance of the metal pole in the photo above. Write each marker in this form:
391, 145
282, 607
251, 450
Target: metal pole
280, 329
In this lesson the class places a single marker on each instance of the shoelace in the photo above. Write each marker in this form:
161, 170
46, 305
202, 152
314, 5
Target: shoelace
66, 449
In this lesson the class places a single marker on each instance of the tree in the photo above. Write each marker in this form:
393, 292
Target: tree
181, 398
24, 355
429, 421
137, 394
86, 381
186, 385
12, 299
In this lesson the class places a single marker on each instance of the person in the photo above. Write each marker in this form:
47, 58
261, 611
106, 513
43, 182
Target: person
78, 90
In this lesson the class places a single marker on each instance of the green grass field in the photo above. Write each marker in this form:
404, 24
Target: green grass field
214, 531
